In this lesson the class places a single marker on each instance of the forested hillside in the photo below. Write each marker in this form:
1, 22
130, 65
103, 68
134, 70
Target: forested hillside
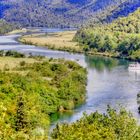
64, 13
120, 38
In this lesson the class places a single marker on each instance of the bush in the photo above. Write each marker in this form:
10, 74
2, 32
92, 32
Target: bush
22, 63
110, 126
14, 54
28, 101
1, 53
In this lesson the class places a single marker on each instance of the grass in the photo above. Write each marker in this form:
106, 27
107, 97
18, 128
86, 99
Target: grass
58, 41
11, 62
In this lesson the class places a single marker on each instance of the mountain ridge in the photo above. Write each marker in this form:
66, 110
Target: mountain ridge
64, 13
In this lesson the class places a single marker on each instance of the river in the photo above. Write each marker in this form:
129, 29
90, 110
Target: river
109, 81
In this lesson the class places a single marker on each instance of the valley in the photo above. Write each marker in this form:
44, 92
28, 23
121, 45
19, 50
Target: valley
69, 69
108, 74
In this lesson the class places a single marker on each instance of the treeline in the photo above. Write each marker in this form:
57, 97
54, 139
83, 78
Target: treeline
114, 125
120, 38
6, 27
30, 92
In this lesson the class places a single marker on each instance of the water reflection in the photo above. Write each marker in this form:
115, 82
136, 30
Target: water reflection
101, 63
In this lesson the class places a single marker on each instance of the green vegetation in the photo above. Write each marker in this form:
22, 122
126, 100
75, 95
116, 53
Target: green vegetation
121, 38
12, 53
110, 126
6, 27
32, 89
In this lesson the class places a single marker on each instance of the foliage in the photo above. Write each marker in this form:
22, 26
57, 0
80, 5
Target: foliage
113, 125
14, 54
11, 53
120, 38
27, 101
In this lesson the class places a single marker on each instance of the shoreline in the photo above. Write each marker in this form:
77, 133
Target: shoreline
19, 39
63, 41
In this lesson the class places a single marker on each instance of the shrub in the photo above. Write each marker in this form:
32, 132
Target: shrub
22, 63
114, 125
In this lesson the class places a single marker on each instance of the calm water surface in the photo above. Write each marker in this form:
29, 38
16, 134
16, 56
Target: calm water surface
109, 81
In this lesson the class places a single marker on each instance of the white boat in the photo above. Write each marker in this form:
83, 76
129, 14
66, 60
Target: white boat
134, 67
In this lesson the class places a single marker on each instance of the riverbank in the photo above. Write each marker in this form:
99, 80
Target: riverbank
63, 41
112, 125
34, 88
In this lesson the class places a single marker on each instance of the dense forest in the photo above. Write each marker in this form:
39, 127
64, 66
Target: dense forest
120, 38
65, 13
34, 88
6, 27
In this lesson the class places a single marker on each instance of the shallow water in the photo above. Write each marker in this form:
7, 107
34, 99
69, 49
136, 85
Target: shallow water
109, 81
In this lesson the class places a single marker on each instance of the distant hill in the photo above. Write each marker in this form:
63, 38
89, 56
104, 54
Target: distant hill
64, 13
126, 7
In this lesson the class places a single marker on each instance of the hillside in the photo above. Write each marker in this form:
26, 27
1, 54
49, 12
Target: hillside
129, 6
64, 13
120, 38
